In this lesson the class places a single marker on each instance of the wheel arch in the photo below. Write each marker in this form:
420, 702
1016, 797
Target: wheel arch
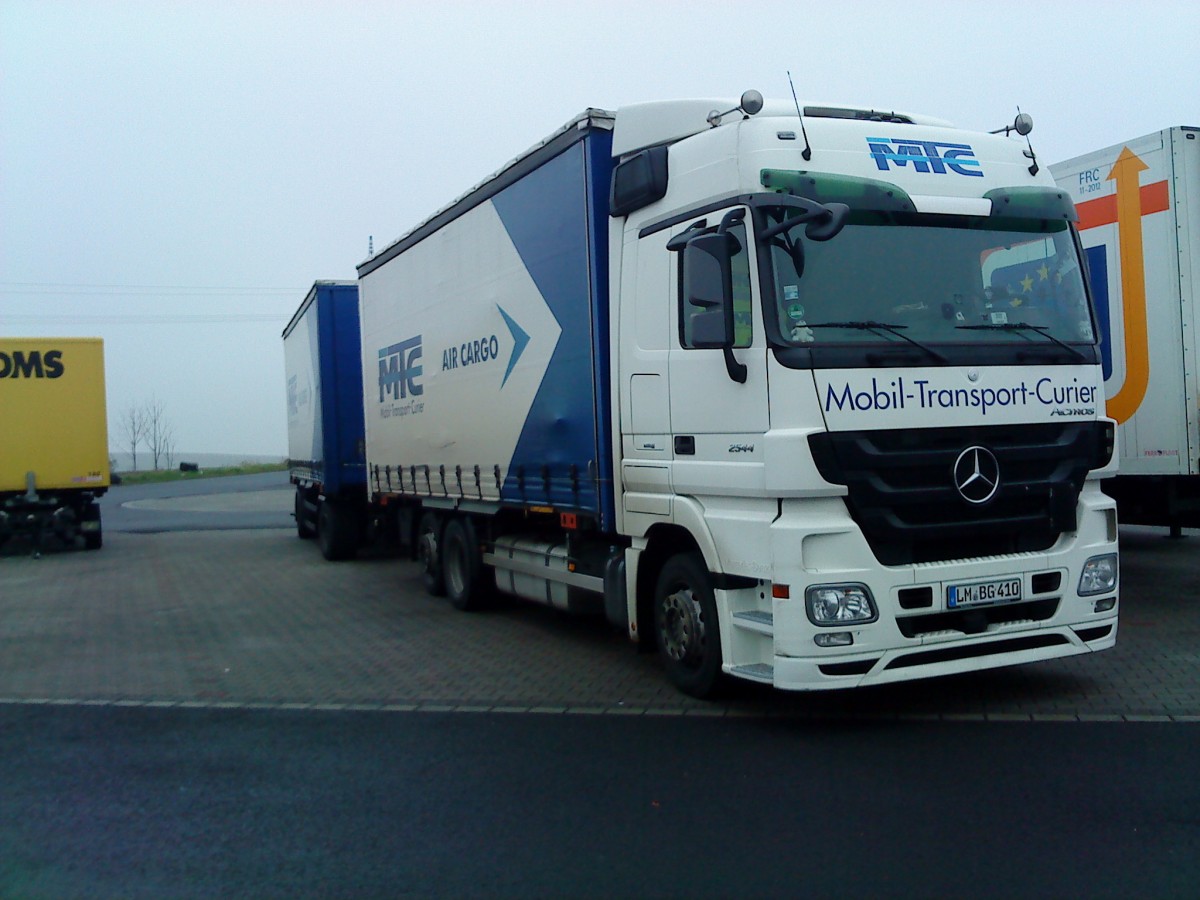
662, 542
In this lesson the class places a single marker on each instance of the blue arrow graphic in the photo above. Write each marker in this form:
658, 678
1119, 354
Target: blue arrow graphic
520, 339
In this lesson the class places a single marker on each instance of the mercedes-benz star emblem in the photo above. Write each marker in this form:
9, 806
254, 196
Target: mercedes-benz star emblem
976, 474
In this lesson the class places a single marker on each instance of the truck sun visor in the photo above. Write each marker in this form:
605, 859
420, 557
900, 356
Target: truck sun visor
1032, 203
857, 193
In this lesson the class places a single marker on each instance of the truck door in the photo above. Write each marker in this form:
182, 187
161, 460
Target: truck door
717, 421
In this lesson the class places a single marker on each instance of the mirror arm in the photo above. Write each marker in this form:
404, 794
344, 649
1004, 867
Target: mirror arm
737, 371
731, 218
825, 229
681, 240
810, 211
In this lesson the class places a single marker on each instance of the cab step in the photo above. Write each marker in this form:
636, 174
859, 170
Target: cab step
756, 672
755, 620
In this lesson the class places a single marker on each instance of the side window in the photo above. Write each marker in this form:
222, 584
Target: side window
743, 315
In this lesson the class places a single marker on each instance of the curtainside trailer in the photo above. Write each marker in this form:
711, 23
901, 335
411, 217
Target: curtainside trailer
326, 459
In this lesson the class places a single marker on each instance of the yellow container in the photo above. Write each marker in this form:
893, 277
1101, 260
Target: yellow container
53, 420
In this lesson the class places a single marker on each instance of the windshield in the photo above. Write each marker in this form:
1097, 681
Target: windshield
930, 279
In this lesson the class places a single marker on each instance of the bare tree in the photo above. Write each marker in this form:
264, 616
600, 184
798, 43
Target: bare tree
133, 429
159, 433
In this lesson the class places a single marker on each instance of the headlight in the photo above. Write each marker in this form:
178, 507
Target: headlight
837, 604
1099, 575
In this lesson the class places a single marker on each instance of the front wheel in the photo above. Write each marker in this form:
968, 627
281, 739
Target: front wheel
685, 625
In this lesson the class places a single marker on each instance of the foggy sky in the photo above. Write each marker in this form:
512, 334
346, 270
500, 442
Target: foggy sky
174, 176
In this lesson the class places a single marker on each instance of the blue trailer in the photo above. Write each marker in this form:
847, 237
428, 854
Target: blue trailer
326, 450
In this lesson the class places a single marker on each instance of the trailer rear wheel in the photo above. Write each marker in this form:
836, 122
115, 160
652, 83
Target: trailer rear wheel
429, 536
304, 528
685, 625
462, 565
92, 539
337, 531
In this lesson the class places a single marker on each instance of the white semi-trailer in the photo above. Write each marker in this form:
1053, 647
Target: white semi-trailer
809, 397
1139, 220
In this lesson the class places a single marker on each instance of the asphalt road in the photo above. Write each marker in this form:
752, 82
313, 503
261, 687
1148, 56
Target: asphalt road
203, 504
103, 799
211, 803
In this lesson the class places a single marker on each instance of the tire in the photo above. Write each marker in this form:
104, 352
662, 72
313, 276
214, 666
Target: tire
462, 566
429, 537
337, 532
685, 625
303, 528
93, 540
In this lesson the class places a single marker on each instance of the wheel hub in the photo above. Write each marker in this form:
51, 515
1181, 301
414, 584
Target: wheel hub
427, 551
456, 566
682, 627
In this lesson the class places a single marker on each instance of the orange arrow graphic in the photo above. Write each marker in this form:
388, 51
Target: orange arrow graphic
1124, 172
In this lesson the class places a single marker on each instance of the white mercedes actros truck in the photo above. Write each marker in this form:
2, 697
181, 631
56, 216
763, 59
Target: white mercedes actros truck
804, 395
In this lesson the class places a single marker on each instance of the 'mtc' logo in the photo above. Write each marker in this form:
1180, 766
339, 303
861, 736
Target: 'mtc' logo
925, 156
398, 369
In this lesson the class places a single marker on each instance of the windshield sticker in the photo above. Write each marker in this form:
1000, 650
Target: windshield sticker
936, 157
800, 332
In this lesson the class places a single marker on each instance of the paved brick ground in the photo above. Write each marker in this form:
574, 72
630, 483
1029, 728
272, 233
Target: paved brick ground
259, 618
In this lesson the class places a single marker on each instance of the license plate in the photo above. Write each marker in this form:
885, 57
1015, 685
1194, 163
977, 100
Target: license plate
981, 593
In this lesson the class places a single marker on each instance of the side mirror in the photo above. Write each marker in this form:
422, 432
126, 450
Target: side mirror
828, 226
708, 290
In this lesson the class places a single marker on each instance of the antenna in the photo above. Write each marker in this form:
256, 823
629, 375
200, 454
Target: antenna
370, 245
1022, 125
807, 151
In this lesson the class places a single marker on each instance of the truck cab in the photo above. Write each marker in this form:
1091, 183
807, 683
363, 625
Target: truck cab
860, 409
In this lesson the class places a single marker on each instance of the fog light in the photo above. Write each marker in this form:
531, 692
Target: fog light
834, 639
836, 604
1099, 575
1106, 604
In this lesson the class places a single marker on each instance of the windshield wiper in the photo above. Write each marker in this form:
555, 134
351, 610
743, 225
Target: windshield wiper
881, 326
1024, 326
